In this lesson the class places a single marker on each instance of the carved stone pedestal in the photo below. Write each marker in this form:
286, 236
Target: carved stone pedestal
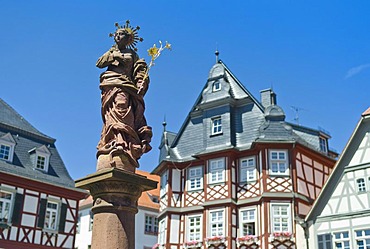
115, 193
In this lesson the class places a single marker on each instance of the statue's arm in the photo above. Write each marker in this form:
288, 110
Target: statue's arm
110, 57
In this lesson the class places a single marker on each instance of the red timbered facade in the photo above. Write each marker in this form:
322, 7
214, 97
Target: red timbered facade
237, 175
38, 203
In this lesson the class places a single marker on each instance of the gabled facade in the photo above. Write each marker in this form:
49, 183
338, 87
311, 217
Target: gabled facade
38, 201
146, 220
340, 217
237, 175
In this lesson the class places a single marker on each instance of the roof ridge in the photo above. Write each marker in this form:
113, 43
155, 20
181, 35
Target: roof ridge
29, 127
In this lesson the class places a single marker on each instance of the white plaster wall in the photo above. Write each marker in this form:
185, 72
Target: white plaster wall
175, 228
83, 238
176, 180
142, 239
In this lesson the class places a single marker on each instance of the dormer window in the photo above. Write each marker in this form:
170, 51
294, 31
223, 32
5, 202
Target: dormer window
216, 126
323, 144
7, 144
216, 86
40, 162
40, 158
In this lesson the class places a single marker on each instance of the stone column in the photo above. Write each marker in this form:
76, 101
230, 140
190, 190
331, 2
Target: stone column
115, 193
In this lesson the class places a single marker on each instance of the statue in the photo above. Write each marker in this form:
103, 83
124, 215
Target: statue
125, 135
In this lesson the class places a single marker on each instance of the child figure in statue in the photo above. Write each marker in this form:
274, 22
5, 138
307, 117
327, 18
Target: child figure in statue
125, 135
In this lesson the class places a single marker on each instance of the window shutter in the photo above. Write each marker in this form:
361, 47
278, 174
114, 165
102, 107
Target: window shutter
17, 210
42, 210
63, 215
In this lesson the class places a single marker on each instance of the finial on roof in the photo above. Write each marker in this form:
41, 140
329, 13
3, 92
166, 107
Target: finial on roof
164, 124
217, 53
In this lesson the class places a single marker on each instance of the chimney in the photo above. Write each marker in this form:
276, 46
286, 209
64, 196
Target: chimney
268, 97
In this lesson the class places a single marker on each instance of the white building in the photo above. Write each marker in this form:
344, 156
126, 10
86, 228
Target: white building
146, 221
340, 217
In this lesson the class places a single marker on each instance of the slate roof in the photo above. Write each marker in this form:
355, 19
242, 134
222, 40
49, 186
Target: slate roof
245, 121
27, 139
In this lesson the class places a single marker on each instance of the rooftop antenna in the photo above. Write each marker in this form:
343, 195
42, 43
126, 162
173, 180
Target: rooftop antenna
296, 110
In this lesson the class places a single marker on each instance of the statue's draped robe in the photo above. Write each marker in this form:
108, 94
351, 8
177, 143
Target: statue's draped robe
125, 128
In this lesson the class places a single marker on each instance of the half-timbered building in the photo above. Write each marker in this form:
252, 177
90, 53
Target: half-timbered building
237, 175
38, 201
340, 217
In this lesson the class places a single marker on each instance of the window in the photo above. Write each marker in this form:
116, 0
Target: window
361, 187
216, 126
162, 232
216, 223
323, 144
195, 178
279, 163
40, 158
195, 228
7, 144
4, 152
247, 169
281, 218
248, 222
324, 241
40, 162
151, 224
91, 220
51, 215
341, 240
216, 86
217, 170
6, 202
363, 239
163, 189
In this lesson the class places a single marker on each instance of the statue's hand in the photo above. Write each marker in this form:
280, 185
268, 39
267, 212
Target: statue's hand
117, 55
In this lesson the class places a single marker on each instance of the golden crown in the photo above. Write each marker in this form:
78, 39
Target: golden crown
132, 33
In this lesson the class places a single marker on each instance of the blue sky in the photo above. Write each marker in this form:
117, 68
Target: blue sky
314, 54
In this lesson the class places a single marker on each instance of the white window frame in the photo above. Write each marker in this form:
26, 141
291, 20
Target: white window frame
323, 144
216, 86
361, 186
340, 238
5, 151
325, 238
46, 161
51, 212
216, 223
247, 216
163, 183
216, 170
195, 178
6, 210
216, 125
248, 169
279, 162
151, 222
8, 141
194, 230
162, 231
288, 216
362, 235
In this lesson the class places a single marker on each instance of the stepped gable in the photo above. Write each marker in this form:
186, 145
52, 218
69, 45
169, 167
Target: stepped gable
28, 140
